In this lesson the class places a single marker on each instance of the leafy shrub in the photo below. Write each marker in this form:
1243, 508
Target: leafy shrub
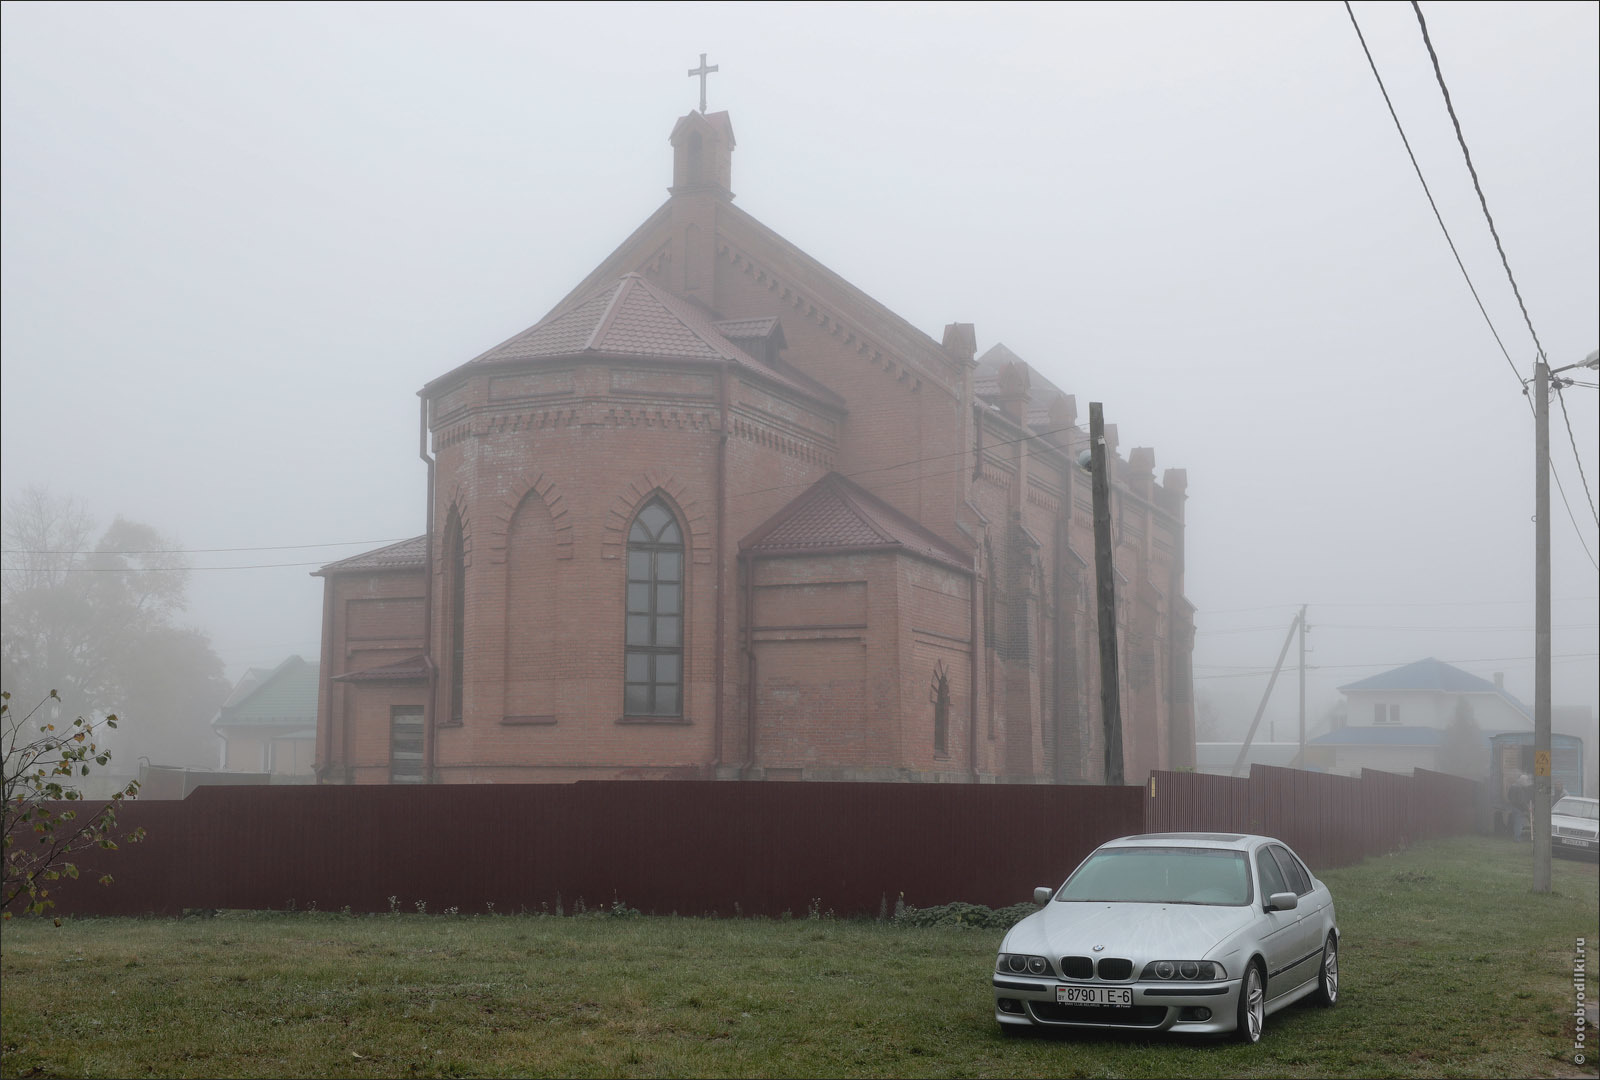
963, 915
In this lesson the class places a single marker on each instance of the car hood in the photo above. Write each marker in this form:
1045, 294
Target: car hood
1140, 932
1569, 822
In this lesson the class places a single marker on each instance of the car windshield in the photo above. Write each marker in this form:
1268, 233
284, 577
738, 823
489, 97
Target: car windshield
1584, 808
1161, 875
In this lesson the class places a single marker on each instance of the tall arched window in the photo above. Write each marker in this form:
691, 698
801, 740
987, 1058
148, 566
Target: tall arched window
939, 694
456, 589
653, 660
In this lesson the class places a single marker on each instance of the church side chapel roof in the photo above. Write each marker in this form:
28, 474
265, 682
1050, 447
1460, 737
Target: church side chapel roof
837, 515
407, 670
405, 554
632, 317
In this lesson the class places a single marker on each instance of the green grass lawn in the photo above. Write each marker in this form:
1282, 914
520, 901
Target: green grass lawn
1450, 967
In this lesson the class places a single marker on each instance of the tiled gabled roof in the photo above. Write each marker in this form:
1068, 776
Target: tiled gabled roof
401, 556
287, 695
632, 317
1436, 675
837, 515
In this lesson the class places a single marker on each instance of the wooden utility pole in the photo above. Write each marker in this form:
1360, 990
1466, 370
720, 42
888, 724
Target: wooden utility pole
1244, 747
1300, 758
1541, 627
1105, 594
1541, 610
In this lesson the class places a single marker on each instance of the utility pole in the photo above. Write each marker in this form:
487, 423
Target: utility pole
1300, 759
1541, 611
1105, 595
1541, 627
1244, 748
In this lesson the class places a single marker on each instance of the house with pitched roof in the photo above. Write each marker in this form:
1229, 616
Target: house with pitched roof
719, 514
268, 724
1427, 714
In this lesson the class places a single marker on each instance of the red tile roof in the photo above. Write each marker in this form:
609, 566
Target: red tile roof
837, 515
632, 317
405, 554
413, 667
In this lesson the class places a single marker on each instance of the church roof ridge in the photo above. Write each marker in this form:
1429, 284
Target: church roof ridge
836, 515
893, 328
631, 316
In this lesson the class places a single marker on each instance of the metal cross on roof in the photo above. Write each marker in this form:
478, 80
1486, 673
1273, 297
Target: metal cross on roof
702, 71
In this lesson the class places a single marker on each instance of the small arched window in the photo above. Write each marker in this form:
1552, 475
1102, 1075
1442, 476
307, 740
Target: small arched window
653, 657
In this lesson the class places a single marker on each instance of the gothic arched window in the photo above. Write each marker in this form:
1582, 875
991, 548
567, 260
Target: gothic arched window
939, 694
653, 657
456, 590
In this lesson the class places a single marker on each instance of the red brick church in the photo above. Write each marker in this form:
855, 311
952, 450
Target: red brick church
720, 514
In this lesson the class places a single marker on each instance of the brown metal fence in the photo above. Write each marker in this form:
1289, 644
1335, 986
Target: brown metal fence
682, 846
704, 847
1330, 820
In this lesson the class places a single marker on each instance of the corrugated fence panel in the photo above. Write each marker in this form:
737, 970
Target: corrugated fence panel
684, 846
704, 847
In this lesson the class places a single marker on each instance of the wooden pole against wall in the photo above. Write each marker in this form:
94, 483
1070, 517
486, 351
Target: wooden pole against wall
1105, 595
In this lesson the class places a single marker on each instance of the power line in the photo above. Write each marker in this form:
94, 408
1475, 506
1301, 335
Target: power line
1451, 241
1574, 517
1574, 440
1483, 202
1380, 626
1429, 193
1397, 663
1402, 604
207, 551
170, 569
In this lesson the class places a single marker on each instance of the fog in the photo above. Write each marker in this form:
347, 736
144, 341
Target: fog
237, 239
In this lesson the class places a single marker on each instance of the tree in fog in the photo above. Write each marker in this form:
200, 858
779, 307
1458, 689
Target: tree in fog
1465, 751
94, 620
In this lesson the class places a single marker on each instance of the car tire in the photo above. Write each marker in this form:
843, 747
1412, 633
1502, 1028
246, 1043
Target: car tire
1251, 1016
1327, 994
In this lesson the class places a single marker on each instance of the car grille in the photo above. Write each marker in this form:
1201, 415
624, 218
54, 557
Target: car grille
1077, 967
1110, 968
1115, 969
1562, 830
1135, 1016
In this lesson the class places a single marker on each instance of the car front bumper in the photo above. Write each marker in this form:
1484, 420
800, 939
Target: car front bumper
1161, 1006
1580, 846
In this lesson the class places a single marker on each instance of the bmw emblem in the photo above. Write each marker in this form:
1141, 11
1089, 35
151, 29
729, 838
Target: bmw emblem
1099, 948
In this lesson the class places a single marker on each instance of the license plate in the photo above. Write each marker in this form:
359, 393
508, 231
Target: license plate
1574, 843
1094, 995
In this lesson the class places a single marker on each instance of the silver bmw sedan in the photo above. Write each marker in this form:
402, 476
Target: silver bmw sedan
1188, 932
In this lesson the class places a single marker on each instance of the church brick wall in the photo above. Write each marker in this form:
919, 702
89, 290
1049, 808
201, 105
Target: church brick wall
859, 656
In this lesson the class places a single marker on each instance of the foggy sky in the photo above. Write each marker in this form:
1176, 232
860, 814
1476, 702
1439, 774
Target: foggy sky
237, 239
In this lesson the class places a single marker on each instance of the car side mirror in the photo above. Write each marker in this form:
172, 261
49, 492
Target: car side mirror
1042, 895
1282, 901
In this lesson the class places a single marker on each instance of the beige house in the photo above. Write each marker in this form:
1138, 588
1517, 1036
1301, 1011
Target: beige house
269, 722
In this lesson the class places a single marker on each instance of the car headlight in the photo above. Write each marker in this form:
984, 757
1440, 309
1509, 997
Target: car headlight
1167, 970
1022, 964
